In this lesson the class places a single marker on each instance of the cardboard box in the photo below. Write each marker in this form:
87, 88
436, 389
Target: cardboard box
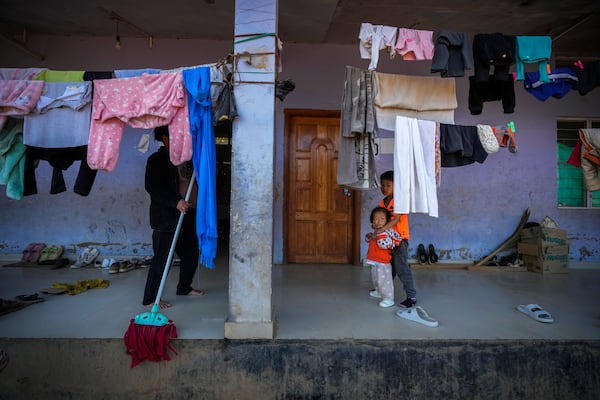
529, 249
545, 260
549, 236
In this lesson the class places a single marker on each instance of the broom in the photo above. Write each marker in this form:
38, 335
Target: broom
148, 336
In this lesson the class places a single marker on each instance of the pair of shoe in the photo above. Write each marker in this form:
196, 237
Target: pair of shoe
120, 266
385, 303
87, 257
32, 252
51, 254
426, 256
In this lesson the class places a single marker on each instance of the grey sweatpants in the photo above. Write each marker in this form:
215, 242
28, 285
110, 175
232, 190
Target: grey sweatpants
400, 267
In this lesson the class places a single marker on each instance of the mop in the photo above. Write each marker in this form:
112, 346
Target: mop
148, 336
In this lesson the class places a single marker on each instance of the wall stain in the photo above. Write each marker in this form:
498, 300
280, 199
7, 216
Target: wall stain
239, 258
583, 253
115, 231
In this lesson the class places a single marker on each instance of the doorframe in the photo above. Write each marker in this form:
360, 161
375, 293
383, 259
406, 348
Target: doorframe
289, 113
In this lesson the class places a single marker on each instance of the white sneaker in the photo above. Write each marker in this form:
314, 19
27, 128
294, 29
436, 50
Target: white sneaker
375, 293
386, 303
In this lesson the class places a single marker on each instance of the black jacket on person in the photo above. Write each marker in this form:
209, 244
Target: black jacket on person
162, 184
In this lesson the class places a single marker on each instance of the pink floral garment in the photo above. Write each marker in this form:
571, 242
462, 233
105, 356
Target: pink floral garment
18, 97
145, 101
415, 44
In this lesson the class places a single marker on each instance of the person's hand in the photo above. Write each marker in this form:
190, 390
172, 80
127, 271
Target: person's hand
368, 237
183, 206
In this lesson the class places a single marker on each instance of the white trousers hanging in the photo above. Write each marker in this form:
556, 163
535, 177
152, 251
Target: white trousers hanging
414, 167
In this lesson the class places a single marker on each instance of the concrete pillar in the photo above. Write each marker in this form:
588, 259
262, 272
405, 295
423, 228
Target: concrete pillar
252, 172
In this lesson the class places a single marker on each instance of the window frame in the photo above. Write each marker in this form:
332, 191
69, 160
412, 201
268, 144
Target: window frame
590, 122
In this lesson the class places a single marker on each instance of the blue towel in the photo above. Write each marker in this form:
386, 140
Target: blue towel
197, 84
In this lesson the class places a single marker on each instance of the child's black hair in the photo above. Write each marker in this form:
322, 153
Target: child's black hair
380, 209
160, 131
387, 176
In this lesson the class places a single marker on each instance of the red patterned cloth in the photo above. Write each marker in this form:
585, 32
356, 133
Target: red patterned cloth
575, 157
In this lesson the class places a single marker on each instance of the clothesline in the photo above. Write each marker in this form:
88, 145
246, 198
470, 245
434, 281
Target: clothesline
451, 54
421, 111
180, 98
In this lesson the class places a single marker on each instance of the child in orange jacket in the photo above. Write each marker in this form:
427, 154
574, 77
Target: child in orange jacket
379, 256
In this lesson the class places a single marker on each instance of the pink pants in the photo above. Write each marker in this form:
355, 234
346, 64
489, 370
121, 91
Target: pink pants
381, 278
146, 101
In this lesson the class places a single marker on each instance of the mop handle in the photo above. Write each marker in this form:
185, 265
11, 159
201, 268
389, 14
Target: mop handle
174, 243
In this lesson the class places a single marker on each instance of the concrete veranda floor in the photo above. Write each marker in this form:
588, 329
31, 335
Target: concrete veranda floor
315, 301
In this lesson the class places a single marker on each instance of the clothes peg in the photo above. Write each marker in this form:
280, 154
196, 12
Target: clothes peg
511, 126
512, 143
578, 64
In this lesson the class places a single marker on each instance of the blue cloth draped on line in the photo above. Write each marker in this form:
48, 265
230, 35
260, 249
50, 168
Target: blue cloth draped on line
197, 84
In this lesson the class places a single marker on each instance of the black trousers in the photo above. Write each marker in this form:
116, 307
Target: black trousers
60, 160
187, 250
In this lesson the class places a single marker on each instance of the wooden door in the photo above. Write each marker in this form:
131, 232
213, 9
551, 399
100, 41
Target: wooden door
320, 214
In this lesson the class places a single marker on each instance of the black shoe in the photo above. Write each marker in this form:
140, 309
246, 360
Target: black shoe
433, 258
422, 255
408, 303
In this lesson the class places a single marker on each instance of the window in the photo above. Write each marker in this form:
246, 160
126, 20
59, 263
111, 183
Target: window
571, 186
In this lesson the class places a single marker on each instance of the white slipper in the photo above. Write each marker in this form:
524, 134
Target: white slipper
417, 314
536, 312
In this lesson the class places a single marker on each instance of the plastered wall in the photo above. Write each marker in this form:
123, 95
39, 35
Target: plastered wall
480, 204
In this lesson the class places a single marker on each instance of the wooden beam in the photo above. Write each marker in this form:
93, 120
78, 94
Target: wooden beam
22, 46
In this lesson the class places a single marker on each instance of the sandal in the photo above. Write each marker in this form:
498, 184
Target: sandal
29, 298
418, 314
536, 312
50, 254
35, 252
27, 252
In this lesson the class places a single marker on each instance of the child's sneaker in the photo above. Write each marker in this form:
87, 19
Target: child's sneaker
386, 303
408, 303
375, 293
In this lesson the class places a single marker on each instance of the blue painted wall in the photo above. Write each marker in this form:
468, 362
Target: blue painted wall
480, 204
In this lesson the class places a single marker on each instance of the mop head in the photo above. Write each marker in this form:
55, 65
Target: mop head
149, 342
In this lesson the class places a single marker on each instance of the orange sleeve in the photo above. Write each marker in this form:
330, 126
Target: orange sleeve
402, 225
